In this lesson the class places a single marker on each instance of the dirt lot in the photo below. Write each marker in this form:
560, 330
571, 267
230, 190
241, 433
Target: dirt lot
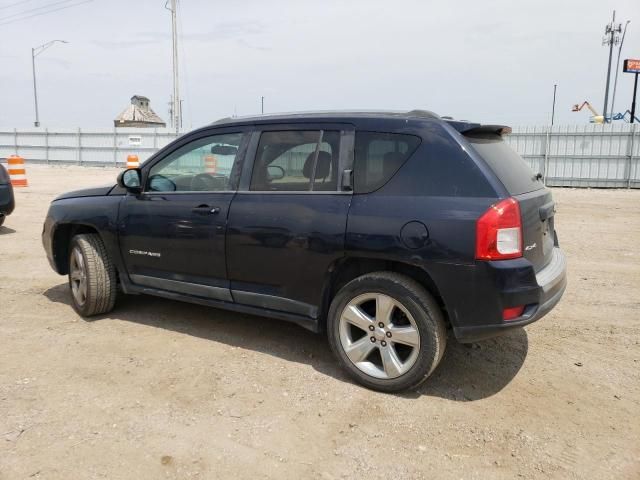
161, 389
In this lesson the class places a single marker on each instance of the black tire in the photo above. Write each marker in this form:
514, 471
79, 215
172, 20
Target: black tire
418, 302
100, 275
2, 217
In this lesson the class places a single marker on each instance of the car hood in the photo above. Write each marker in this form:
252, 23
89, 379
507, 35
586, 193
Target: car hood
87, 192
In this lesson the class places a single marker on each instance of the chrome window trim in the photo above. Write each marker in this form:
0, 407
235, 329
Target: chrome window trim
295, 192
189, 192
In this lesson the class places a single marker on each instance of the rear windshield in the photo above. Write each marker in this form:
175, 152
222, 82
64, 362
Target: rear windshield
511, 169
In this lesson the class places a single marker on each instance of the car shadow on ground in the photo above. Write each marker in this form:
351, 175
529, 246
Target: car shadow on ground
6, 230
466, 373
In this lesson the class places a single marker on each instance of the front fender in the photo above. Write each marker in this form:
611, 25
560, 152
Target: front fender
68, 217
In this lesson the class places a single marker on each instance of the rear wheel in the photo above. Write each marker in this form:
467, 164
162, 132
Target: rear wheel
387, 331
92, 276
2, 217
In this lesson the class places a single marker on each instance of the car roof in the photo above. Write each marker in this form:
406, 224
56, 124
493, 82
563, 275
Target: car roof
337, 116
329, 115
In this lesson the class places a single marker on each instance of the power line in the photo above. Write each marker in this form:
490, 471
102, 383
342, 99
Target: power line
44, 13
14, 4
42, 7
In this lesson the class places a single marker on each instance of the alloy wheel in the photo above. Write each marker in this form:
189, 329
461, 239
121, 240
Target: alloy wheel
78, 277
379, 335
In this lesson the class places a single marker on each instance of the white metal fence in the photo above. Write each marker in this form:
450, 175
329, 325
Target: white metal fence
83, 146
582, 155
576, 155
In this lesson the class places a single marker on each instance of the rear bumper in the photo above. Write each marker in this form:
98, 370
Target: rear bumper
7, 202
551, 284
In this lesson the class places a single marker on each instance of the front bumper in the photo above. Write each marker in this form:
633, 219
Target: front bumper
47, 242
551, 281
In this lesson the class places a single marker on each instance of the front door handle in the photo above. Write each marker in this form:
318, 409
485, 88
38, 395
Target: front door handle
206, 210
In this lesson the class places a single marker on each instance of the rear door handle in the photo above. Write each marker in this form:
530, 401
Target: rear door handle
206, 210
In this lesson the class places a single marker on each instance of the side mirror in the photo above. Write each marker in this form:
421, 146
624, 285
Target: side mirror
275, 172
160, 183
131, 180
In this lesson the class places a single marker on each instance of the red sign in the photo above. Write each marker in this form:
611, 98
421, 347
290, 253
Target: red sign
631, 66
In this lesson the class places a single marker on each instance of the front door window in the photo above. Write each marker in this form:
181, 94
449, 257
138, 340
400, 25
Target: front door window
204, 165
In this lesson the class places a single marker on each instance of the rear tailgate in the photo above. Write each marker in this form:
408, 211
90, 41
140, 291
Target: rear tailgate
536, 203
537, 209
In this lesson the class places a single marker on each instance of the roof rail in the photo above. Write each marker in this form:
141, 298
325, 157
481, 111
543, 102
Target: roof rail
221, 120
423, 113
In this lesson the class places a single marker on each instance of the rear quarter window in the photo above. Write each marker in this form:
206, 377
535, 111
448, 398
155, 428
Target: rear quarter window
509, 167
441, 167
378, 156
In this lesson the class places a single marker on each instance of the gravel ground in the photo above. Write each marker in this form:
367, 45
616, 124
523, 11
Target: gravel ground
161, 389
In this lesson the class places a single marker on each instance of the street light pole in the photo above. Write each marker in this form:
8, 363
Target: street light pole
34, 53
35, 90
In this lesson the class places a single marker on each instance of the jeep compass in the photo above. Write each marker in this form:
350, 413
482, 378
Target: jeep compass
388, 231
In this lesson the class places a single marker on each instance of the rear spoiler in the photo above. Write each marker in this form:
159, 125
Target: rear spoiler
467, 128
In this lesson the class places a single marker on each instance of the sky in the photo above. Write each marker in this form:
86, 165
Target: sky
488, 61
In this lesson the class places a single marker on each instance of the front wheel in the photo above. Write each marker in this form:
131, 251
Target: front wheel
92, 276
387, 331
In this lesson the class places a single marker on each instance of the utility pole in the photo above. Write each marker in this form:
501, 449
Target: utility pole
615, 82
262, 105
633, 99
553, 107
610, 38
176, 104
34, 53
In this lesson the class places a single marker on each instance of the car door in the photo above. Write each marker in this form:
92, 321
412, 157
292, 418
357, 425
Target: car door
172, 235
288, 219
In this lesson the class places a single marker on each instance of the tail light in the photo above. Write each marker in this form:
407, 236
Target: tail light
499, 232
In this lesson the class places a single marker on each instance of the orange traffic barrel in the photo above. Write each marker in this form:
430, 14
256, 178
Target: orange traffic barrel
210, 164
132, 161
17, 172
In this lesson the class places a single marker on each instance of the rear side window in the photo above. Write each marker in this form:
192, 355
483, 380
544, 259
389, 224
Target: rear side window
378, 156
297, 161
508, 166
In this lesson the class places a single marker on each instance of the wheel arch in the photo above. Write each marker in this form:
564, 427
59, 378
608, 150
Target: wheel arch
344, 270
62, 242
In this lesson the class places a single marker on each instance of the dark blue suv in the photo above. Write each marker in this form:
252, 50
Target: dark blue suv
7, 202
385, 230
